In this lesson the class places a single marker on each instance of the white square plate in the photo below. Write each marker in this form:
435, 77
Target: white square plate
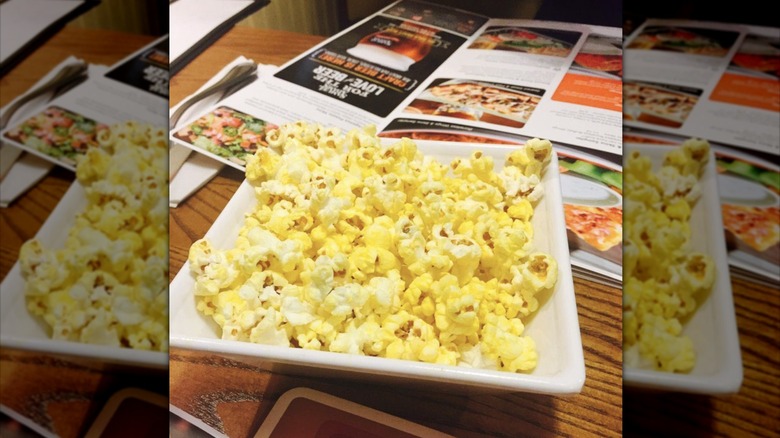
21, 330
713, 327
555, 328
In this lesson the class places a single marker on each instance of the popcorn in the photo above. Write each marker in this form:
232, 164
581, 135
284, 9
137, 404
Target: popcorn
360, 248
663, 276
108, 285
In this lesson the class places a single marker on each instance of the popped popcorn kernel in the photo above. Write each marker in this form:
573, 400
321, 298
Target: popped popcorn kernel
362, 248
108, 285
663, 276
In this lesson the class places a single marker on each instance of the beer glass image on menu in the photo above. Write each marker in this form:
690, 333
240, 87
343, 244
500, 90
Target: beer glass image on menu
396, 47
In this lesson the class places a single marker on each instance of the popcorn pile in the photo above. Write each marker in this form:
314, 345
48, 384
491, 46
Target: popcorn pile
108, 285
374, 250
662, 275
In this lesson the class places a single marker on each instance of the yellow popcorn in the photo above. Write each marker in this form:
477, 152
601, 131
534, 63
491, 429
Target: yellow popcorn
371, 249
662, 276
108, 284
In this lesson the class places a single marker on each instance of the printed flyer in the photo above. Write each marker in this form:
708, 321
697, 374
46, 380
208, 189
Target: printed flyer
432, 73
135, 88
720, 82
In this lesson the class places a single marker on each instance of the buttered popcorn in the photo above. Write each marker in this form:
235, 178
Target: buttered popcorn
367, 249
663, 276
108, 285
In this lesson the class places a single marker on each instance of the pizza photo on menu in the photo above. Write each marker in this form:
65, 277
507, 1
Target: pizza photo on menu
600, 55
227, 133
593, 204
658, 104
478, 101
758, 56
535, 41
689, 40
749, 191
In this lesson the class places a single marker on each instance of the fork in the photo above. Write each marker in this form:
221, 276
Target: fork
234, 76
65, 77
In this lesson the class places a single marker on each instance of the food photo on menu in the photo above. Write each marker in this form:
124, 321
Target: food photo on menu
531, 40
500, 104
58, 133
227, 133
593, 203
749, 186
601, 55
658, 104
758, 55
689, 40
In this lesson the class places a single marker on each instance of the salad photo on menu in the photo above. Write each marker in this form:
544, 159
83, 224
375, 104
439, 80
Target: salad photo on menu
58, 133
227, 133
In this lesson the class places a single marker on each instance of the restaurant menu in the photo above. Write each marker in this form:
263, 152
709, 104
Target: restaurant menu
135, 88
720, 82
433, 73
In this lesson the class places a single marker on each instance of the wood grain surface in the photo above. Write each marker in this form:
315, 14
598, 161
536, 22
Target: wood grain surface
754, 411
60, 394
235, 398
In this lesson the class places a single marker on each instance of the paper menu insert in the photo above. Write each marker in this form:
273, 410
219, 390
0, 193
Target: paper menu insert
711, 80
720, 82
556, 81
134, 88
467, 78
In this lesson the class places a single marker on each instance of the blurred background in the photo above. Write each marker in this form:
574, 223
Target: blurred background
325, 18
148, 17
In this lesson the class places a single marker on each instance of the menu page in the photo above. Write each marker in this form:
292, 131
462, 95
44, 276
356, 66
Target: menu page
428, 72
720, 82
351, 80
712, 80
518, 79
135, 88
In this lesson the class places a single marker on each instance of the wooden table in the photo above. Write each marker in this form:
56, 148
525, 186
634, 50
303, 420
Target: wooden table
235, 398
754, 411
60, 395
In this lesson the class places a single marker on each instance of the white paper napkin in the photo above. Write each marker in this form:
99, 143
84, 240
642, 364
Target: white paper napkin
198, 169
